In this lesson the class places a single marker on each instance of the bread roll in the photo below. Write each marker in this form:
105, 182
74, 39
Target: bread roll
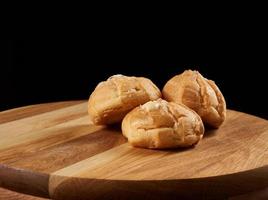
198, 93
114, 98
160, 124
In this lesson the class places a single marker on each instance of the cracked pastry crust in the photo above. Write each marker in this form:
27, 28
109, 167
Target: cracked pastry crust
114, 98
160, 124
198, 93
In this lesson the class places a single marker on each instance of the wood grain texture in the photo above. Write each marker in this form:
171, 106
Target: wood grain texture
53, 150
11, 195
22, 112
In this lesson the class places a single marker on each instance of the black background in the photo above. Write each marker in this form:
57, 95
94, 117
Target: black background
36, 71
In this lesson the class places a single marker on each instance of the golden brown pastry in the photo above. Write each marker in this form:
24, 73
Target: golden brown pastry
198, 93
114, 98
160, 124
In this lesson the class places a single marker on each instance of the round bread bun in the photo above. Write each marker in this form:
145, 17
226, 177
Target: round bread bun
198, 93
114, 98
160, 124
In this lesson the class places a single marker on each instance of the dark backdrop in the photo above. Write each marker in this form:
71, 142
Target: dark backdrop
36, 71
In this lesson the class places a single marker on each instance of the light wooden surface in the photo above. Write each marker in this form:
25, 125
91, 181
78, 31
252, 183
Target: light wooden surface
52, 150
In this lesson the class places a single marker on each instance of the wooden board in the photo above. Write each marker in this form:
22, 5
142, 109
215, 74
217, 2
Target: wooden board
53, 150
11, 195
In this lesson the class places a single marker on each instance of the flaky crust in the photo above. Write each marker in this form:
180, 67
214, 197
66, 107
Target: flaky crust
160, 124
114, 98
198, 93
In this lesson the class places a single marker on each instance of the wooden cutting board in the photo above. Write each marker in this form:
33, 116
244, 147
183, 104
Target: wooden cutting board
53, 150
